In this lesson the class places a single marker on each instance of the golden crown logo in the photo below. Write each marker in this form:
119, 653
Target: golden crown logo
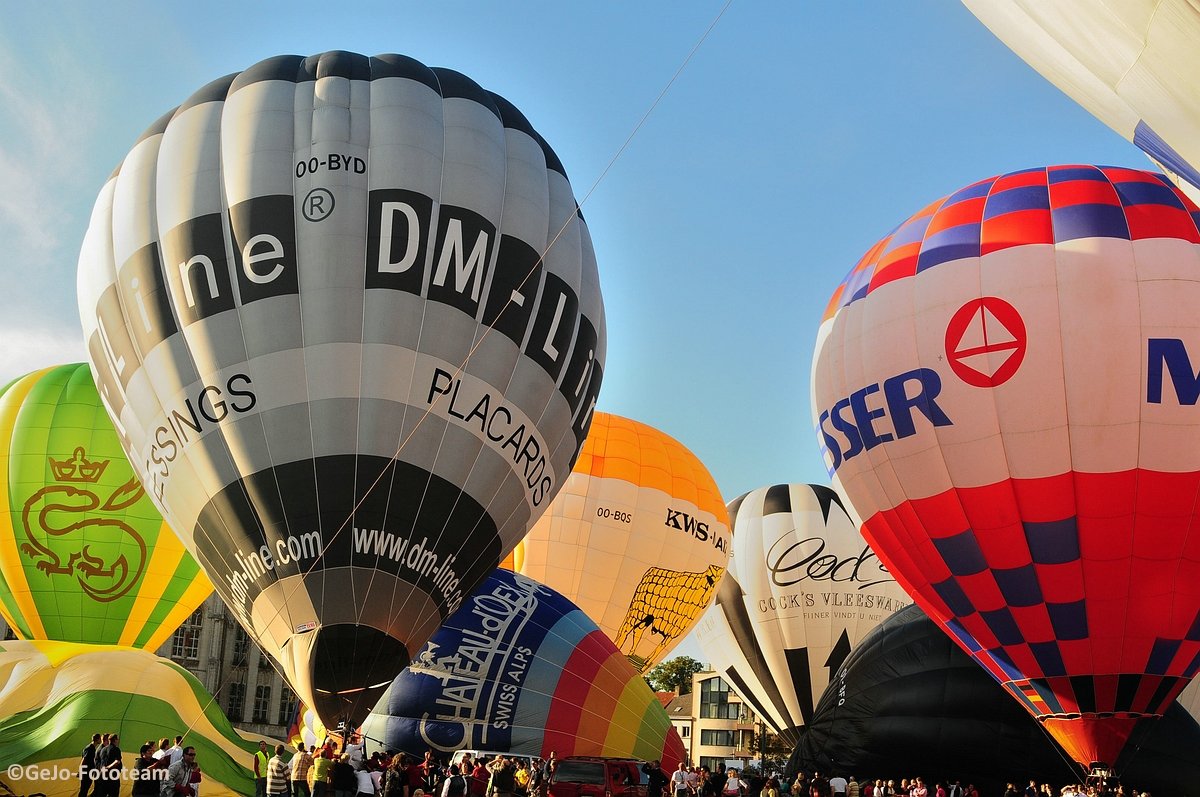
78, 468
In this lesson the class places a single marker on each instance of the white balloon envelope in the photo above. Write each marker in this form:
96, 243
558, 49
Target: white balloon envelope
1132, 64
801, 590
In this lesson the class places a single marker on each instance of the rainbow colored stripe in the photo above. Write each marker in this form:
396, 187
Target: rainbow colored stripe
597, 709
520, 669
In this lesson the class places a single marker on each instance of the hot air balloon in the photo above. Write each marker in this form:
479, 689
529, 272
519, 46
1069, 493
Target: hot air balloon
345, 314
55, 695
1002, 390
306, 728
802, 589
638, 538
1131, 64
519, 668
84, 554
909, 700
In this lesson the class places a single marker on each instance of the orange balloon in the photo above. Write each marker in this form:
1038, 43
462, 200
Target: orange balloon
638, 538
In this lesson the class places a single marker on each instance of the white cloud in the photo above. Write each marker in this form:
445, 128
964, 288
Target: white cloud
33, 222
40, 153
46, 132
25, 350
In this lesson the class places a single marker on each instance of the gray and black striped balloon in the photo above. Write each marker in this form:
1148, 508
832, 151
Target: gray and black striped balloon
802, 588
345, 314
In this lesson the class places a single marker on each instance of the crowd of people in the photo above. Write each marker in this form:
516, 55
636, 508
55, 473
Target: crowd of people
166, 769
327, 771
701, 782
162, 768
838, 786
1072, 790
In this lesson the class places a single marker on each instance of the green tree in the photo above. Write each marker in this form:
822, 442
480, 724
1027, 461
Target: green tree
674, 675
776, 753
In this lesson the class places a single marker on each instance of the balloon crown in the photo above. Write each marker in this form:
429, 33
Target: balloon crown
78, 468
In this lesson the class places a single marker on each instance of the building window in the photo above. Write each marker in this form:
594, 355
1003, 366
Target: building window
716, 738
287, 706
262, 703
711, 761
685, 731
185, 643
714, 700
241, 646
237, 702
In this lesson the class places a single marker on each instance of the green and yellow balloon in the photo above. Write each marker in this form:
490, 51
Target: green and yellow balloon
54, 695
84, 555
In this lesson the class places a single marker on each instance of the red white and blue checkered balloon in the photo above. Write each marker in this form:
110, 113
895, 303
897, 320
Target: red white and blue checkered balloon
1005, 387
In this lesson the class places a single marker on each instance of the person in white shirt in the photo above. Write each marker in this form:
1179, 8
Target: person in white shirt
679, 785
355, 751
366, 784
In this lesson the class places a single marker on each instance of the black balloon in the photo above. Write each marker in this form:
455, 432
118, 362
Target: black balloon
909, 702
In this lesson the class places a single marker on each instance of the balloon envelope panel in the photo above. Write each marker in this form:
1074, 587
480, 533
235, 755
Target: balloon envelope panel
520, 668
306, 728
802, 589
638, 538
55, 695
84, 554
1128, 63
346, 315
999, 391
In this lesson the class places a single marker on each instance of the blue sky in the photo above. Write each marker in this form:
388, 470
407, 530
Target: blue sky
797, 134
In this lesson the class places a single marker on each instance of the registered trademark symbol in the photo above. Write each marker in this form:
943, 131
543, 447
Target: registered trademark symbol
318, 204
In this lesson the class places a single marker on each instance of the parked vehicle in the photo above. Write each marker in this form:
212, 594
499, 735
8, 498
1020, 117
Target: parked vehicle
588, 776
